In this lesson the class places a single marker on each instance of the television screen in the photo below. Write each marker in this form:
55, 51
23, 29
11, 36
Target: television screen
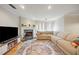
8, 33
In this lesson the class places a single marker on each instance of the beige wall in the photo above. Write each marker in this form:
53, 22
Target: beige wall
59, 25
71, 23
7, 19
27, 22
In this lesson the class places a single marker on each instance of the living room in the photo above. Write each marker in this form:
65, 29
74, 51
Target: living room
52, 29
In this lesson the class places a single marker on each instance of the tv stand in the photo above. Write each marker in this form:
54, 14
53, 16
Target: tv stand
6, 46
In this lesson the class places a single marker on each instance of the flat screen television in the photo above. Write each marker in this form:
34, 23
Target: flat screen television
7, 33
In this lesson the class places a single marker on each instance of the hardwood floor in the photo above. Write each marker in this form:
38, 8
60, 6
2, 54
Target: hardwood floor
14, 50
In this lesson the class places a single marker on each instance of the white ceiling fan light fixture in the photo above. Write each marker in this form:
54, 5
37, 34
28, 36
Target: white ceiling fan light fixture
22, 6
49, 7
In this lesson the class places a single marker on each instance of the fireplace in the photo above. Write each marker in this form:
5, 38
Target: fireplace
28, 34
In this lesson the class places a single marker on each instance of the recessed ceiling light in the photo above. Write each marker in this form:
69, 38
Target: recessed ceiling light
22, 6
49, 7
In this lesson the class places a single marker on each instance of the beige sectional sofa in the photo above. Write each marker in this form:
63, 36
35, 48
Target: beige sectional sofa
59, 39
44, 35
65, 45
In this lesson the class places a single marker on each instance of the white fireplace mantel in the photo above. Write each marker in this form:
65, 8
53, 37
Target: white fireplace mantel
24, 28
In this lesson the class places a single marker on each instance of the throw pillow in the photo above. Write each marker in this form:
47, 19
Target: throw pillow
75, 43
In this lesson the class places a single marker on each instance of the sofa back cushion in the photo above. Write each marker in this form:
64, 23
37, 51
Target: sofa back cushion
62, 35
44, 33
71, 37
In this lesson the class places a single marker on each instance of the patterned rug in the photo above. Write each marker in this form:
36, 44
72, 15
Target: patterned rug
39, 47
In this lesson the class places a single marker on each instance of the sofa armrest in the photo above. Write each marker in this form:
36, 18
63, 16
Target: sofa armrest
54, 39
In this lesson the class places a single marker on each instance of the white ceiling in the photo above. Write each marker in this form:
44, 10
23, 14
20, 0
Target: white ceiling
40, 11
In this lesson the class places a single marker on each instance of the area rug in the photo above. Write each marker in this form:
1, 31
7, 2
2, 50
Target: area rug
38, 47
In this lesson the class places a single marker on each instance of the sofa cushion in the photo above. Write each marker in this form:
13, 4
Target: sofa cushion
67, 46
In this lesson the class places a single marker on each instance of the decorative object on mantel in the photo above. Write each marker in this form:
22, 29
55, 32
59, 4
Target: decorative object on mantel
33, 25
29, 25
23, 25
